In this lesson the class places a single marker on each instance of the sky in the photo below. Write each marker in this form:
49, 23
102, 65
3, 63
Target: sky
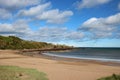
80, 23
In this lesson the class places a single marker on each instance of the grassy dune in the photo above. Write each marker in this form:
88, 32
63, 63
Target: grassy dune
17, 73
113, 77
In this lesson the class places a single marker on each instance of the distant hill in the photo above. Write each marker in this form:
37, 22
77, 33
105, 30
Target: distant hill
12, 42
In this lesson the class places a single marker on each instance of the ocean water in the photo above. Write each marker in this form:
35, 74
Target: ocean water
101, 54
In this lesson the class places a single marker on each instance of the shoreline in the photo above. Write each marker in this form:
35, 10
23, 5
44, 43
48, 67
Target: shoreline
72, 60
83, 58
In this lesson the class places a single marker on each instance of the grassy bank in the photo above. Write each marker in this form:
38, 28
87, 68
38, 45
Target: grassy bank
113, 77
13, 42
17, 73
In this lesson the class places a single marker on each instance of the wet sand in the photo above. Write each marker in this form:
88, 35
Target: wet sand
60, 69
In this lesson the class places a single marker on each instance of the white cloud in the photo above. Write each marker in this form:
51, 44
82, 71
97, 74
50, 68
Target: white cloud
4, 14
19, 28
90, 3
107, 27
75, 36
55, 16
36, 10
16, 4
5, 27
44, 12
51, 33
56, 34
119, 6
8, 8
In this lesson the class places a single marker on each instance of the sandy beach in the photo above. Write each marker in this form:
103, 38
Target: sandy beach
59, 70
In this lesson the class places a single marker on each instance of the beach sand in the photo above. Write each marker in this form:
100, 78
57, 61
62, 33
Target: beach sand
59, 70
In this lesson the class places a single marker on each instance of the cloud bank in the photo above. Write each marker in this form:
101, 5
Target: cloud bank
49, 34
97, 28
19, 28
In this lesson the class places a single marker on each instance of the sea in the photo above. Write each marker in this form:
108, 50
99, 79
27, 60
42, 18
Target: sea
100, 54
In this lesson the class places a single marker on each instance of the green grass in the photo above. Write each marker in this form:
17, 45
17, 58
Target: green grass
17, 73
113, 77
13, 42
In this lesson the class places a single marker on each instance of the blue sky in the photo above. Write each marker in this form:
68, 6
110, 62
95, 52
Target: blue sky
82, 23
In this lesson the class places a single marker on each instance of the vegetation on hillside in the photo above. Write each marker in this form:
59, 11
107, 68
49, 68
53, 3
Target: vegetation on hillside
12, 42
113, 77
17, 73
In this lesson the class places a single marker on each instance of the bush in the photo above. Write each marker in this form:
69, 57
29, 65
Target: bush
113, 77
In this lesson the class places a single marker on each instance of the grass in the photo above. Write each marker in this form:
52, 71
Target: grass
17, 73
113, 77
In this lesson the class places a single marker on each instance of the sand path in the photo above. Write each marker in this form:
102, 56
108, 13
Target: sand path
56, 70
